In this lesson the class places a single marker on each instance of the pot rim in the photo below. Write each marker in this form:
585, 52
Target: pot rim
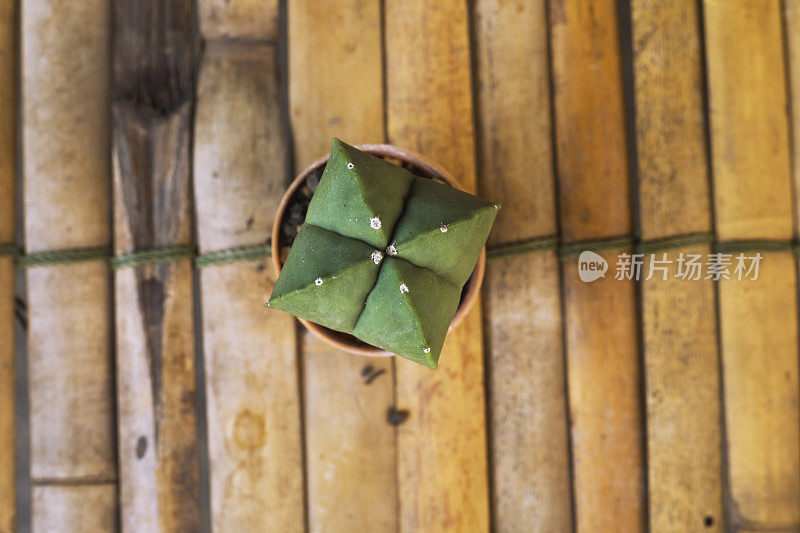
341, 340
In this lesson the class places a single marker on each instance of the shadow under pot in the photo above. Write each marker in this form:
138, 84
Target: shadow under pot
291, 214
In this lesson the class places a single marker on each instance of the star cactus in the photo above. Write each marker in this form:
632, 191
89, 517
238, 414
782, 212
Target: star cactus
383, 254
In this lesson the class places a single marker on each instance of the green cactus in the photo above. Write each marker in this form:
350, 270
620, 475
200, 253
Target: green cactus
383, 255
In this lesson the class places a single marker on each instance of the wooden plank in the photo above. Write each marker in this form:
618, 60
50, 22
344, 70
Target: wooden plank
252, 390
352, 481
792, 21
604, 389
8, 177
156, 388
758, 328
600, 317
442, 463
335, 47
749, 127
526, 382
65, 163
753, 199
682, 399
239, 19
670, 125
681, 360
76, 508
589, 120
515, 143
530, 446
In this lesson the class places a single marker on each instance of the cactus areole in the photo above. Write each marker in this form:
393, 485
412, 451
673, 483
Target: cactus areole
383, 255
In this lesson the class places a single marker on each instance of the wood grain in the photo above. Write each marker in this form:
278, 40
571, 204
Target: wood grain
604, 400
600, 317
753, 198
153, 55
65, 193
73, 509
748, 119
670, 127
336, 89
589, 120
792, 22
682, 399
239, 19
758, 328
515, 127
527, 393
8, 177
442, 456
355, 456
681, 360
252, 389
530, 438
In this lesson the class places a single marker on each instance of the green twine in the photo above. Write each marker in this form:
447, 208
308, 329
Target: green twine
676, 241
575, 248
146, 257
232, 255
260, 251
522, 247
9, 249
60, 257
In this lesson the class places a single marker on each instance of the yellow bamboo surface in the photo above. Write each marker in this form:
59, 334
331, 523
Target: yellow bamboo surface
681, 360
664, 129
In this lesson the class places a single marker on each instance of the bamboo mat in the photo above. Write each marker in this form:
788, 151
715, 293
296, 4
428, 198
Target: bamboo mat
161, 394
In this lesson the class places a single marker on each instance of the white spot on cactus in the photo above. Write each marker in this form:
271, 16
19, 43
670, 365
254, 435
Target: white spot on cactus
443, 228
403, 288
377, 257
318, 282
427, 350
375, 223
391, 249
350, 166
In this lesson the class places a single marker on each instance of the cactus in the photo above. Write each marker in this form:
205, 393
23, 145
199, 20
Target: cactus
383, 254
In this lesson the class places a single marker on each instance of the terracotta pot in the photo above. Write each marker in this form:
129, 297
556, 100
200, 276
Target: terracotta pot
345, 341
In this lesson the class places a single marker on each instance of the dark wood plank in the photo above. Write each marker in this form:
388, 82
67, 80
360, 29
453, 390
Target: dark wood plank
153, 59
65, 199
252, 390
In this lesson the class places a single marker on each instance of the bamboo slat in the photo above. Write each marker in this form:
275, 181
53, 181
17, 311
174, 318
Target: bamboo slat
335, 89
252, 389
759, 347
513, 90
600, 317
65, 192
442, 456
8, 176
75, 508
527, 394
682, 396
749, 127
792, 21
681, 361
239, 19
153, 53
758, 320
